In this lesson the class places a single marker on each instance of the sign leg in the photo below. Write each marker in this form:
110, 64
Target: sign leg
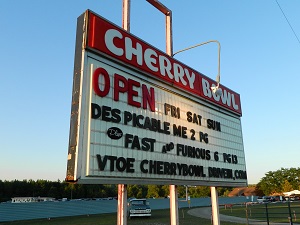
122, 204
174, 205
215, 206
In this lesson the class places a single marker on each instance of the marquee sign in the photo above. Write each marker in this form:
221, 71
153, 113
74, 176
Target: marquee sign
140, 116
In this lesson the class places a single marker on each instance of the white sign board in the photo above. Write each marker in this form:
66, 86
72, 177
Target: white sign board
130, 125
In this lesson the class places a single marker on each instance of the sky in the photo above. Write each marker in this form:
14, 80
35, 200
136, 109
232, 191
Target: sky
260, 57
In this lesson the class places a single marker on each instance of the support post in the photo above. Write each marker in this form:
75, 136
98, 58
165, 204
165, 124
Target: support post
290, 213
215, 206
126, 15
122, 204
122, 188
267, 214
168, 13
186, 192
173, 205
169, 50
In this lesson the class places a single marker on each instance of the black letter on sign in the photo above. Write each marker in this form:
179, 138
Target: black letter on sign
96, 111
101, 164
145, 161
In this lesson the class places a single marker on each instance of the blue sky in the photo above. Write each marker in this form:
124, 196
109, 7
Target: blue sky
259, 60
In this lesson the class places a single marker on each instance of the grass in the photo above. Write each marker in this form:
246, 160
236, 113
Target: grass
159, 217
277, 212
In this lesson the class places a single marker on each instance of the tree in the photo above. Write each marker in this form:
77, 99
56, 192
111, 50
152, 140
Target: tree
153, 191
165, 191
287, 186
224, 191
132, 191
275, 181
53, 192
199, 191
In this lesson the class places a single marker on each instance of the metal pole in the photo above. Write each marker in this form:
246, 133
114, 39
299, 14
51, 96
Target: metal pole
169, 51
173, 205
219, 55
122, 204
214, 206
247, 217
169, 34
186, 192
267, 213
126, 15
290, 212
122, 188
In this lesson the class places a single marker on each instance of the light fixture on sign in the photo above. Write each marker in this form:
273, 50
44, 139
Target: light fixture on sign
215, 89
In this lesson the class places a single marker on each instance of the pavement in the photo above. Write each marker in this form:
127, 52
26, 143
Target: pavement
205, 212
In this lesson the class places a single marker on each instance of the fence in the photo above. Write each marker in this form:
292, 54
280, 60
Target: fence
38, 210
279, 212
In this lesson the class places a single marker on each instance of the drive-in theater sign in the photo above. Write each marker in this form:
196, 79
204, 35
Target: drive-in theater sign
141, 117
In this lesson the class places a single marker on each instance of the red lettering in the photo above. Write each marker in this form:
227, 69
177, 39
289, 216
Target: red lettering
148, 98
118, 79
106, 83
133, 93
122, 85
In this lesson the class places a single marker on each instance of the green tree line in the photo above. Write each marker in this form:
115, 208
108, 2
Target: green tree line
59, 190
274, 182
279, 181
